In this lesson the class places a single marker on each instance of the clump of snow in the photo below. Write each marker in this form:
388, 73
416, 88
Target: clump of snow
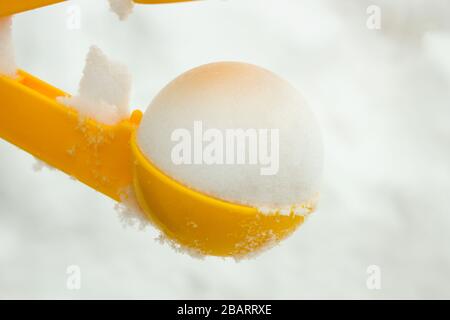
177, 247
251, 248
232, 95
304, 209
130, 214
7, 60
39, 165
104, 90
123, 8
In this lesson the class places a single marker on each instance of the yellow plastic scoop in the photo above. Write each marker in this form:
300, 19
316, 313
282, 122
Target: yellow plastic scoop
108, 159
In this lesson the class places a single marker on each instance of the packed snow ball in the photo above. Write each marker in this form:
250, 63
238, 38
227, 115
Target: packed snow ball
7, 60
236, 132
104, 91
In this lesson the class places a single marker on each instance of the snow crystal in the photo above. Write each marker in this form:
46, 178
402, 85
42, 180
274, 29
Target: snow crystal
304, 209
123, 8
104, 90
130, 214
7, 61
252, 250
248, 250
231, 95
179, 248
38, 165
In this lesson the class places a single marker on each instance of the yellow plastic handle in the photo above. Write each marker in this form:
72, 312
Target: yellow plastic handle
9, 7
96, 154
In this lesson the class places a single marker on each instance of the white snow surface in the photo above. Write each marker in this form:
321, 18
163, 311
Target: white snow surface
380, 96
230, 96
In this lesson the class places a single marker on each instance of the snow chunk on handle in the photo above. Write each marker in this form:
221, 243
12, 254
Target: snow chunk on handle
104, 90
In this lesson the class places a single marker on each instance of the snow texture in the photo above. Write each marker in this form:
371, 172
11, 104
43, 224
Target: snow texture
232, 95
130, 214
104, 90
39, 165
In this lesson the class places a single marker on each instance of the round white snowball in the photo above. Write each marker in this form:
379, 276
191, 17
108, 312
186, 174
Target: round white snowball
210, 103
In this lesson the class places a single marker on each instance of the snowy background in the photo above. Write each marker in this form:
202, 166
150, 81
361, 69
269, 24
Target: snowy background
382, 98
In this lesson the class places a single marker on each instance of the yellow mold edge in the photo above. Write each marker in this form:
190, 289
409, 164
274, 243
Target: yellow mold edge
205, 224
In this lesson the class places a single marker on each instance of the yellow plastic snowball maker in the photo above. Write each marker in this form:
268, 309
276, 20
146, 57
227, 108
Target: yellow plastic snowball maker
108, 159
